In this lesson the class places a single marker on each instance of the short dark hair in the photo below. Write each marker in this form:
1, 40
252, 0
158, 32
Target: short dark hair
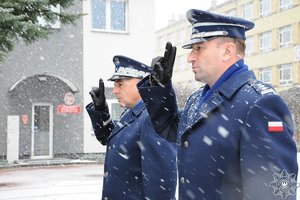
239, 43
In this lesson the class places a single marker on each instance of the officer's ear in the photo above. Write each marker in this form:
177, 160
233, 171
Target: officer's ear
229, 49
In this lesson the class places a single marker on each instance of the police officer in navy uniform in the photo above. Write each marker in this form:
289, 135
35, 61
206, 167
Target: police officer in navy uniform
139, 164
235, 134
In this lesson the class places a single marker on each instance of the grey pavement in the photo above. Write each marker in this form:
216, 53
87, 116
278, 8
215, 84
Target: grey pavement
54, 181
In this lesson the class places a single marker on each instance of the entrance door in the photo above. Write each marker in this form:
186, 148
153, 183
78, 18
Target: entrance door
42, 131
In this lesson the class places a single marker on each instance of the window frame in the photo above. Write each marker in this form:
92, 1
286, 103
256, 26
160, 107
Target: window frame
249, 51
285, 6
282, 32
282, 70
248, 7
263, 5
266, 71
108, 19
263, 36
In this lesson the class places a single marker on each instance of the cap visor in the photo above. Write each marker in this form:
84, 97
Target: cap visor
117, 77
197, 40
187, 46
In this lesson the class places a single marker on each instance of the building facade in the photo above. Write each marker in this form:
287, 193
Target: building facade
41, 96
45, 85
273, 46
124, 30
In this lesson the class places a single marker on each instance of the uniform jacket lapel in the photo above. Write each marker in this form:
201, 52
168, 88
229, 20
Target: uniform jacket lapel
210, 104
194, 115
128, 117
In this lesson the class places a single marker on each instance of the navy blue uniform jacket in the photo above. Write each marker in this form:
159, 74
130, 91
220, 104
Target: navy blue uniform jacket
225, 149
139, 164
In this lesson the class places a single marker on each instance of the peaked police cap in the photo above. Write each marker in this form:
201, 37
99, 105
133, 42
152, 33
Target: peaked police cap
128, 68
207, 25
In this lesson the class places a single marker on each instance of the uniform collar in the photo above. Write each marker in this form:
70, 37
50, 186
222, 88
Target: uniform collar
234, 70
138, 108
230, 86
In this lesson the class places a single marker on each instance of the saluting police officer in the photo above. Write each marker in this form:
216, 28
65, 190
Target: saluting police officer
139, 164
235, 134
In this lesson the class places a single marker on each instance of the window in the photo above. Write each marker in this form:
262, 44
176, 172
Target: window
285, 36
266, 75
109, 15
265, 7
265, 41
56, 24
285, 4
285, 74
248, 11
249, 45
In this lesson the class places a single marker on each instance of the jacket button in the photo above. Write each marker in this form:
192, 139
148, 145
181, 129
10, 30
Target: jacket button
105, 198
182, 180
186, 144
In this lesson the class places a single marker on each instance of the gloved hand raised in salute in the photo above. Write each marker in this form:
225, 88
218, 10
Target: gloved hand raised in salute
98, 97
163, 66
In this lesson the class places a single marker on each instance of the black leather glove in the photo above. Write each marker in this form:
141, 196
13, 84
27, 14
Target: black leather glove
162, 67
98, 97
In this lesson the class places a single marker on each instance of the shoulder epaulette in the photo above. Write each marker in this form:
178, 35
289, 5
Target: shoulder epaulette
262, 88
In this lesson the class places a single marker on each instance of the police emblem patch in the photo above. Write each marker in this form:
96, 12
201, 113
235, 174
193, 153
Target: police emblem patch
284, 184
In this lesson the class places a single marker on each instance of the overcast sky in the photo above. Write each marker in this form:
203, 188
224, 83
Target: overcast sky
166, 9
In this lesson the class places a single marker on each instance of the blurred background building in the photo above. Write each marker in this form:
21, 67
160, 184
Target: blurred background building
273, 46
45, 86
113, 27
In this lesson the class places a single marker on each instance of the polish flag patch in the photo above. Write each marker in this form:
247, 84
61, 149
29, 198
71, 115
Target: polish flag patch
275, 126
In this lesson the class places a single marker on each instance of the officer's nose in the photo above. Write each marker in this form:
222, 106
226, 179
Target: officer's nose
115, 90
191, 57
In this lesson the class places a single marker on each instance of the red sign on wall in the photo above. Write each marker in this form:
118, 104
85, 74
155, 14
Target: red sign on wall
25, 119
64, 109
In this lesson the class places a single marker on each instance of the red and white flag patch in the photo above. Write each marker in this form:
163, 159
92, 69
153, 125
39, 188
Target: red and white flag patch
275, 126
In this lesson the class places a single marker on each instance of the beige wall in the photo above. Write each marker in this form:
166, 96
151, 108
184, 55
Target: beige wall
255, 61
